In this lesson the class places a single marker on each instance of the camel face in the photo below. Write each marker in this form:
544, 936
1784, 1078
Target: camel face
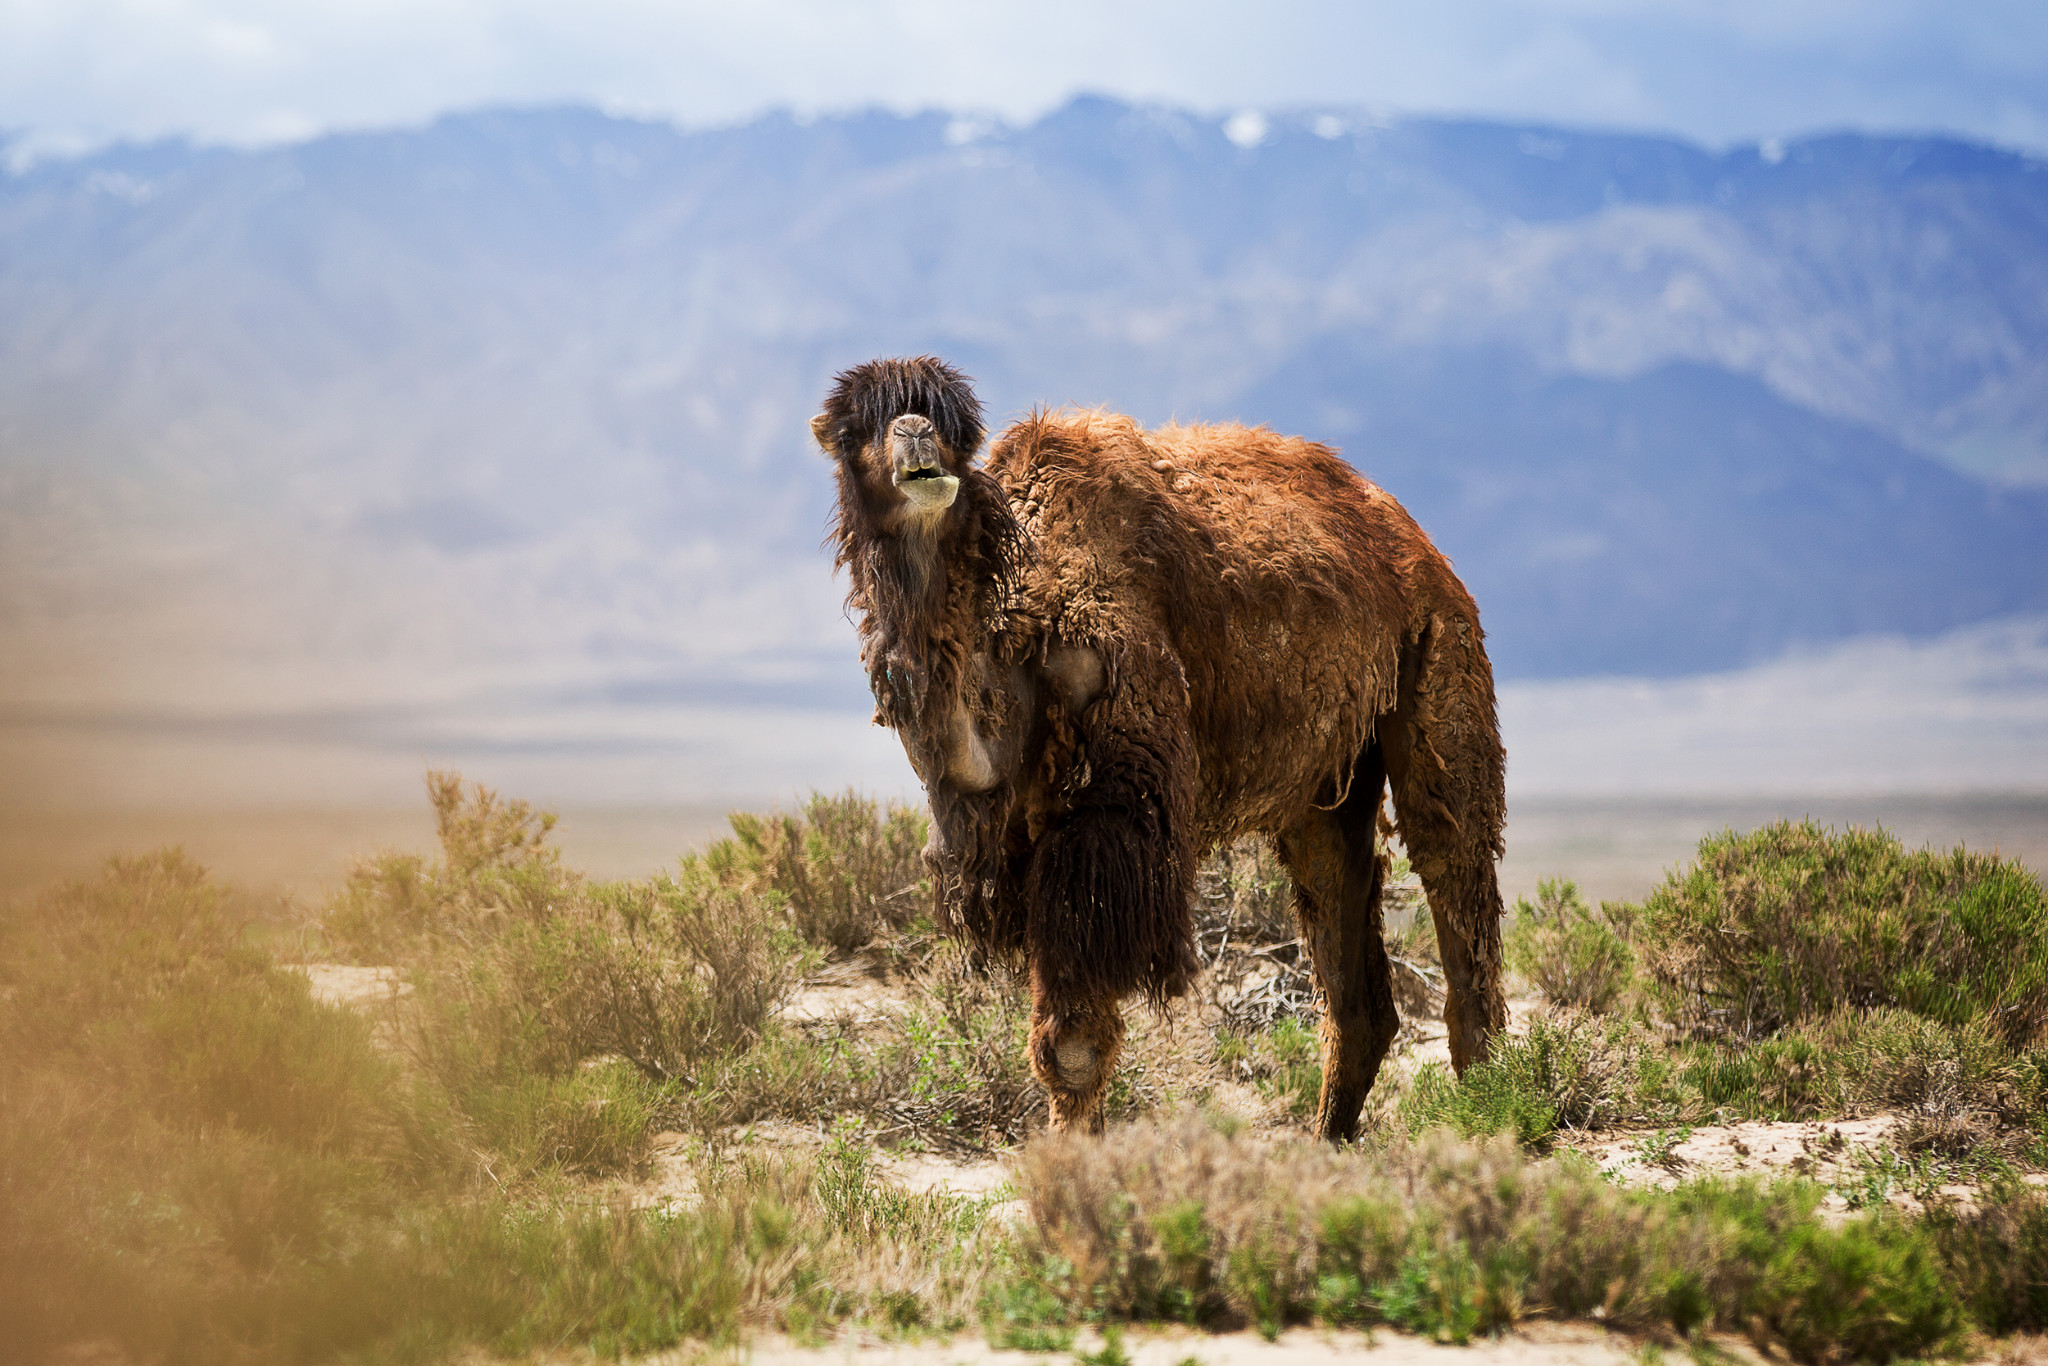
904, 437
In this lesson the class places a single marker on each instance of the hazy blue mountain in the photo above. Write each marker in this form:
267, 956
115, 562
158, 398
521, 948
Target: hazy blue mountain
518, 399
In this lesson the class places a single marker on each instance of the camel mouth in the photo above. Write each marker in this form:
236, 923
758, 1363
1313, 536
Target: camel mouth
928, 487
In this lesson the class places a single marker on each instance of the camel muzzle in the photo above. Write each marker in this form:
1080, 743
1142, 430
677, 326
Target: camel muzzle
916, 470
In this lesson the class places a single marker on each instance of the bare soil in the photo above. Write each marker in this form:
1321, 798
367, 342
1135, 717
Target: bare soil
1535, 1343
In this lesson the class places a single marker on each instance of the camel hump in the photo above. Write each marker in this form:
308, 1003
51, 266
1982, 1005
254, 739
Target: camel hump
867, 398
1264, 512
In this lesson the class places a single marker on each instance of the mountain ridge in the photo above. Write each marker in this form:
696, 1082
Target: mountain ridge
518, 397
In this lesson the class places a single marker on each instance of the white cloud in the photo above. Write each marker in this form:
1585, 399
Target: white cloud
252, 71
1963, 712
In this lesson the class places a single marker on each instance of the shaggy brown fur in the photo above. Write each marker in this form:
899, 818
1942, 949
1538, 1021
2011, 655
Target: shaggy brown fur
1116, 648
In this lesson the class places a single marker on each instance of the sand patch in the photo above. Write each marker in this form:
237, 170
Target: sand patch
340, 984
1533, 1344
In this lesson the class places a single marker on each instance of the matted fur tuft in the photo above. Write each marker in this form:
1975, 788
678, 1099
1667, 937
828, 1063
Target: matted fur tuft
1110, 890
867, 398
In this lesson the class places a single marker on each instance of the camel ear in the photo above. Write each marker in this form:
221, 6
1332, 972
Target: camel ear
821, 432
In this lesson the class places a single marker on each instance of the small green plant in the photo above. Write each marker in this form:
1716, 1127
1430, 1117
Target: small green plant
1028, 1313
1659, 1149
1491, 1098
1185, 1244
1435, 1292
1571, 953
848, 1190
1111, 1353
1291, 1065
1257, 1274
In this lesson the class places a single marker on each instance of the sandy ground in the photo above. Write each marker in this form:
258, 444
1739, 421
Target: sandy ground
1542, 1344
338, 984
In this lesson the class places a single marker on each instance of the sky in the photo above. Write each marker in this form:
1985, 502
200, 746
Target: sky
80, 73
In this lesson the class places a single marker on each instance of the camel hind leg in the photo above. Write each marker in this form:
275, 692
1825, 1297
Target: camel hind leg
1446, 771
1338, 875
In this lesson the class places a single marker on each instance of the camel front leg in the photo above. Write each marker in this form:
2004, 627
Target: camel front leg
1073, 1050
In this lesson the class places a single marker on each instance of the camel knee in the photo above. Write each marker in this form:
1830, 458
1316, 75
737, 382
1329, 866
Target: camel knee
1077, 1063
1073, 1054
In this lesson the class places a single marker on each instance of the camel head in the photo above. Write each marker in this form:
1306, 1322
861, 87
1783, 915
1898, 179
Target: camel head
903, 434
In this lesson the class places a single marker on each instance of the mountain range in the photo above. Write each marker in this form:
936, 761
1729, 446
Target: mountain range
512, 406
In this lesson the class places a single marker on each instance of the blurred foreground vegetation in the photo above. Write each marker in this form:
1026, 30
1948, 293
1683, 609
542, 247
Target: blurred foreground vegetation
199, 1161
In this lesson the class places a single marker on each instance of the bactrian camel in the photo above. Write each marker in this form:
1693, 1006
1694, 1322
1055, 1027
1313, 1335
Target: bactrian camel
1108, 650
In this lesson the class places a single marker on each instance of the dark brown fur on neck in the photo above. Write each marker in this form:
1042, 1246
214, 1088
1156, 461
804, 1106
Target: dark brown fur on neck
928, 600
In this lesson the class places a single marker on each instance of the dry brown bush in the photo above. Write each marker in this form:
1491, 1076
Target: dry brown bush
849, 867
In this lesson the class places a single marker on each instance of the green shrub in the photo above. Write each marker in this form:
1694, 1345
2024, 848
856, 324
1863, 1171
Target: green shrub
1570, 1070
530, 981
1361, 1242
1450, 1238
1872, 1289
1437, 1292
1493, 1097
184, 1132
849, 868
1568, 951
495, 862
1997, 1255
1777, 1079
1794, 922
1961, 1075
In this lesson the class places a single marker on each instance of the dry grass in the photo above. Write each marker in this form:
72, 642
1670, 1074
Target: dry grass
848, 868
